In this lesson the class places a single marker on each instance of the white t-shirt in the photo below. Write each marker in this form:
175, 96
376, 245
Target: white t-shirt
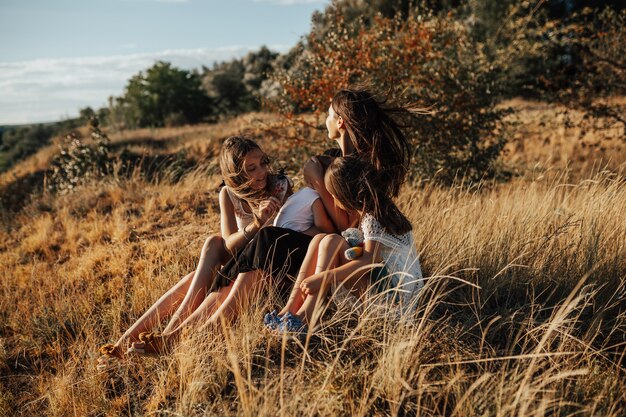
297, 212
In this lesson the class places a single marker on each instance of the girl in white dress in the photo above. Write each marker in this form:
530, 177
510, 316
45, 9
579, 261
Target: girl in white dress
389, 266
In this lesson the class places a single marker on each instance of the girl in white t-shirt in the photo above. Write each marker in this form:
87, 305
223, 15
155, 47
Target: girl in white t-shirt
304, 210
298, 212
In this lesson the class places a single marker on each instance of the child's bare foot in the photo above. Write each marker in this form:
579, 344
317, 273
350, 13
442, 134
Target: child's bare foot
150, 344
311, 285
110, 356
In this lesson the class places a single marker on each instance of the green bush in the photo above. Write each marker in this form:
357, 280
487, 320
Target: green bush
577, 59
235, 87
78, 163
160, 95
596, 44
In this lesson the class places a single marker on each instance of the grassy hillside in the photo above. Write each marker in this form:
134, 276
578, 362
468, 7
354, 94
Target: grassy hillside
523, 312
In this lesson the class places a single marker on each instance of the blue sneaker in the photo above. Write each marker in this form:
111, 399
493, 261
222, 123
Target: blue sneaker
272, 320
292, 324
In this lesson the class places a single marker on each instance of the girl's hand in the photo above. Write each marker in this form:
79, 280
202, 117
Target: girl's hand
314, 173
311, 285
267, 208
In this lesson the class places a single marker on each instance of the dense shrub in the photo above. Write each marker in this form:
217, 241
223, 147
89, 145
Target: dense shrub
575, 58
594, 46
78, 162
422, 58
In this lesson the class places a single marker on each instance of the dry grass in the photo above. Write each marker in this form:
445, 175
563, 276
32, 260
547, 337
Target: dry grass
549, 135
523, 313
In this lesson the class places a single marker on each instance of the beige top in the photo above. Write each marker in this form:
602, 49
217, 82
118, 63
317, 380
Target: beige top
242, 217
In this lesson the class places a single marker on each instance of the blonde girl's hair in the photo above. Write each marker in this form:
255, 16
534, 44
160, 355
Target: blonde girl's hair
232, 154
376, 134
357, 185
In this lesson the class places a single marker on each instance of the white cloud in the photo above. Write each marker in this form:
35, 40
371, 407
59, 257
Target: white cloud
163, 1
290, 2
48, 89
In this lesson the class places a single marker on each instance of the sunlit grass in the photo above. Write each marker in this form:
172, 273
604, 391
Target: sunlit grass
522, 313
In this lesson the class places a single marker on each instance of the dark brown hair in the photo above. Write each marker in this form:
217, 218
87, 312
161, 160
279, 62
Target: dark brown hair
354, 182
234, 150
328, 156
376, 134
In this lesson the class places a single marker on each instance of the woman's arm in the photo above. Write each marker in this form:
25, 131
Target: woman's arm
322, 222
233, 238
314, 175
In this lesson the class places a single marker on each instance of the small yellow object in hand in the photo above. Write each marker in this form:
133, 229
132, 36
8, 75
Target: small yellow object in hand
354, 252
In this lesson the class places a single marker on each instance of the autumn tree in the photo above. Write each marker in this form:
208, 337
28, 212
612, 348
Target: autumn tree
420, 58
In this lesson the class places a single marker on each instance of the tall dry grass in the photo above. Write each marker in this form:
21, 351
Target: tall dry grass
522, 314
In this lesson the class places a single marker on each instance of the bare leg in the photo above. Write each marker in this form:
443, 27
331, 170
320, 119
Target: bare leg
296, 298
204, 311
330, 255
225, 305
182, 298
213, 255
160, 310
246, 286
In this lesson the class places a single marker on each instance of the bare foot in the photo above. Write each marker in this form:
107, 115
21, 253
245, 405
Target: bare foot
150, 344
110, 357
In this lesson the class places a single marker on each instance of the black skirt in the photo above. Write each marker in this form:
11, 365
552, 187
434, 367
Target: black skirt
276, 251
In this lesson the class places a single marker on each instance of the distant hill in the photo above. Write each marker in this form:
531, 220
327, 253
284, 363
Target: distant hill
22, 140
21, 125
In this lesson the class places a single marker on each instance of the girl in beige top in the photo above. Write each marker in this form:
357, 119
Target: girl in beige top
248, 201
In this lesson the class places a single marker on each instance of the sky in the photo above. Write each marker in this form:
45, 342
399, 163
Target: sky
58, 56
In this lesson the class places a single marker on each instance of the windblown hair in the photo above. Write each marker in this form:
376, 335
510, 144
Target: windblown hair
353, 181
234, 150
376, 134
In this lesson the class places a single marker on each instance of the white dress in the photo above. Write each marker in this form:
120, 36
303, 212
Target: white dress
403, 273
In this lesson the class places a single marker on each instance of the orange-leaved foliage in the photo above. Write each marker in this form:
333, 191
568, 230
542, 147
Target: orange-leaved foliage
419, 59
